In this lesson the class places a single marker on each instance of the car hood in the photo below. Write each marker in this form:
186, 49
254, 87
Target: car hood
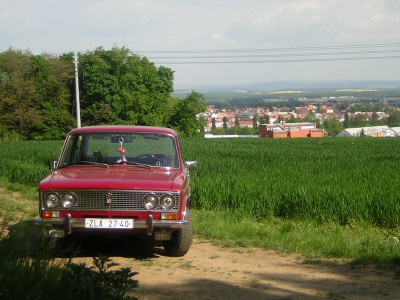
113, 178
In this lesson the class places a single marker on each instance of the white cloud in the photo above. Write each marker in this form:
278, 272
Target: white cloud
61, 26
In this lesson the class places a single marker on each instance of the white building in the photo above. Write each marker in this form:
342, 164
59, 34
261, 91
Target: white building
350, 132
396, 130
373, 131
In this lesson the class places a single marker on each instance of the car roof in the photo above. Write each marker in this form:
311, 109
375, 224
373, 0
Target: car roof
124, 128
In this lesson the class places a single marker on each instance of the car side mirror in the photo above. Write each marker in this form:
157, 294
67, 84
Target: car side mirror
53, 163
190, 164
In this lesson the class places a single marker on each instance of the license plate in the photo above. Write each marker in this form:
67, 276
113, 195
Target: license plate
109, 223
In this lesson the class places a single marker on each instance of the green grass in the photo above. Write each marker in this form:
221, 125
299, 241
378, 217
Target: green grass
359, 245
321, 180
316, 197
324, 180
18, 201
27, 162
29, 269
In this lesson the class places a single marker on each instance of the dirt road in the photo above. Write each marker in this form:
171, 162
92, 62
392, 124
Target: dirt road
214, 272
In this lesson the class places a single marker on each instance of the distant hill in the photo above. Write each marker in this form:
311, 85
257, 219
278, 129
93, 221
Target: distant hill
259, 94
291, 85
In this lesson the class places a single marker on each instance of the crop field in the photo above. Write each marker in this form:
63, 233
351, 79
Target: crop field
340, 180
27, 162
346, 181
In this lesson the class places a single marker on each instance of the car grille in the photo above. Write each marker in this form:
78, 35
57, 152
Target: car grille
122, 200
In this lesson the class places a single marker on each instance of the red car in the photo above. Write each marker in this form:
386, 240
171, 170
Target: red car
120, 180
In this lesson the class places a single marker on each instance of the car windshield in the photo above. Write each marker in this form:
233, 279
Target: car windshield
113, 148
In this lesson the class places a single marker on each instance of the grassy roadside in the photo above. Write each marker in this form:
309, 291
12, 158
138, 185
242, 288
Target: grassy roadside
359, 244
30, 266
18, 201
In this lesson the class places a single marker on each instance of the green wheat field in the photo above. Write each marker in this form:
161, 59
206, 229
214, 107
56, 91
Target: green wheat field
324, 180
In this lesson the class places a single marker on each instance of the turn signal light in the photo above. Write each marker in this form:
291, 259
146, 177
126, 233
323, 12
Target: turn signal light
51, 214
165, 216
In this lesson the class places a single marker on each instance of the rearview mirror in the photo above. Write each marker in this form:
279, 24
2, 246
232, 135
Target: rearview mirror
190, 164
121, 138
53, 163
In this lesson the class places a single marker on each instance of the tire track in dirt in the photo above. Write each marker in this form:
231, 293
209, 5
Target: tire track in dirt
214, 272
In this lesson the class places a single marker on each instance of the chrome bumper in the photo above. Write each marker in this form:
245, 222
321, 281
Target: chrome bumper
68, 224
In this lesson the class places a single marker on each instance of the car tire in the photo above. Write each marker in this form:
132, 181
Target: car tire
181, 239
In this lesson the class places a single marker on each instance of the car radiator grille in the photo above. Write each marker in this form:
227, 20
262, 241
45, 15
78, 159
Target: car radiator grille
121, 200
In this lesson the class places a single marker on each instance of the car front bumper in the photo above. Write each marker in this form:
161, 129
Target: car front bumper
68, 225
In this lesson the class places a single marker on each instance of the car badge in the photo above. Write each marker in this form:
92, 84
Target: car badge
109, 198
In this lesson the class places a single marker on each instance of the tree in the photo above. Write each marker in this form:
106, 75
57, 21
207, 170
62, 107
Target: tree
225, 123
35, 98
121, 88
213, 126
332, 127
346, 123
358, 121
117, 87
394, 119
375, 121
184, 115
234, 130
202, 125
255, 122
218, 131
53, 80
293, 119
237, 123
19, 107
247, 131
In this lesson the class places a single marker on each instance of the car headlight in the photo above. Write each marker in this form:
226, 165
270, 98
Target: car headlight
52, 200
167, 201
150, 201
69, 200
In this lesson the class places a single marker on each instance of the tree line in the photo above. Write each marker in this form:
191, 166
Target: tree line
37, 94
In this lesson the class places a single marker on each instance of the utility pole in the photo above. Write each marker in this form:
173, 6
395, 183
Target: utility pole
78, 105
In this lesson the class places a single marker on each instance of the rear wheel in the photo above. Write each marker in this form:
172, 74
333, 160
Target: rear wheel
181, 239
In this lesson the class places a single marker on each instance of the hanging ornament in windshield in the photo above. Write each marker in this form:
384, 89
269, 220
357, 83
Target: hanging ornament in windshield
121, 150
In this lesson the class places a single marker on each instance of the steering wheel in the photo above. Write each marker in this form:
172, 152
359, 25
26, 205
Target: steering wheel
146, 156
159, 159
158, 156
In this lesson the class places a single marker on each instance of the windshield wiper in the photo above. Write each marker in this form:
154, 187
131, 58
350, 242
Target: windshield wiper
134, 163
93, 163
139, 164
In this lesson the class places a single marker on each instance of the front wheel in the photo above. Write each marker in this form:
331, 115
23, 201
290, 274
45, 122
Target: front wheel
181, 239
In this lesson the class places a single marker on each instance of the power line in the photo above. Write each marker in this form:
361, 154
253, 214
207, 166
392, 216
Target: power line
305, 48
277, 55
280, 60
382, 51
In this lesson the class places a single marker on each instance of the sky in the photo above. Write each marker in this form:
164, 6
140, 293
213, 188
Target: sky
220, 42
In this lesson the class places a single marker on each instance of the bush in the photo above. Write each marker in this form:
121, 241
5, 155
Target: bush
29, 269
